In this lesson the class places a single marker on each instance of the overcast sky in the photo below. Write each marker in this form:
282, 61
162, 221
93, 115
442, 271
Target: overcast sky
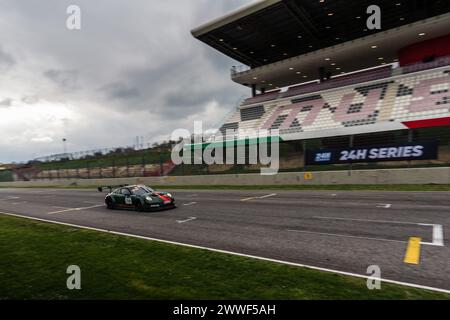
132, 70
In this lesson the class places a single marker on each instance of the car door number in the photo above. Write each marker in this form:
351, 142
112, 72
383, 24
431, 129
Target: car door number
128, 200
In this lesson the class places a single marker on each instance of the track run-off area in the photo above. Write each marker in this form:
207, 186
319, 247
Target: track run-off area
404, 233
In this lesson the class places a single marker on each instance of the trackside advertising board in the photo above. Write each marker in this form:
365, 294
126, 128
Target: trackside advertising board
378, 153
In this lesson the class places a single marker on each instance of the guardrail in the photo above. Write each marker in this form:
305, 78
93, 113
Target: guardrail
439, 176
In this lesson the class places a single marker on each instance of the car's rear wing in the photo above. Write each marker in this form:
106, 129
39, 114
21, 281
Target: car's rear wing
110, 188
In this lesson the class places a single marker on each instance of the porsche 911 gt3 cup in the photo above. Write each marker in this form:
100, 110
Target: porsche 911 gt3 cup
139, 198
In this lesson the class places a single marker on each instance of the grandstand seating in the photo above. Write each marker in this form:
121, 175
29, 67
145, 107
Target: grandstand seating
301, 89
335, 82
340, 81
386, 103
262, 97
347, 79
438, 62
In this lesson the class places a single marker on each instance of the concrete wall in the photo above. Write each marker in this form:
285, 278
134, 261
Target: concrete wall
387, 176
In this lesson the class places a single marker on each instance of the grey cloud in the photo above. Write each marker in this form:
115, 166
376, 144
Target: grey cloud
32, 99
65, 79
6, 60
6, 102
121, 91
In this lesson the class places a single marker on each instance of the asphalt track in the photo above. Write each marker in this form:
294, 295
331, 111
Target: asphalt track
344, 231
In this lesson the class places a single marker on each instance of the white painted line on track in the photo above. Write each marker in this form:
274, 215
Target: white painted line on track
189, 204
248, 199
9, 198
346, 236
363, 276
187, 220
75, 209
384, 205
90, 202
368, 220
262, 197
438, 234
268, 196
17, 203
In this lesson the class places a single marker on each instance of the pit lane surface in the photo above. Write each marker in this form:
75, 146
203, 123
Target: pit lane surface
344, 231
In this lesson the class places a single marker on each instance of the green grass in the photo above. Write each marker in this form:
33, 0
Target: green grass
334, 187
35, 255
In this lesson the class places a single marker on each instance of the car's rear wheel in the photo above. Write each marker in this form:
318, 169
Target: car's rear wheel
110, 204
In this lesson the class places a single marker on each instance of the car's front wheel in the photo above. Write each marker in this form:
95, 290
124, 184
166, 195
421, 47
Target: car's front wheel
110, 204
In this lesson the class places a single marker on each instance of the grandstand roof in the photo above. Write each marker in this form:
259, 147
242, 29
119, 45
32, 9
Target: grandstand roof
367, 52
273, 30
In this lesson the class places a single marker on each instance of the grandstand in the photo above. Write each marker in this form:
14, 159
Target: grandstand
322, 79
390, 103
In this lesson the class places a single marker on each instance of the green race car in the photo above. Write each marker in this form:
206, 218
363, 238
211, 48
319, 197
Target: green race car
139, 198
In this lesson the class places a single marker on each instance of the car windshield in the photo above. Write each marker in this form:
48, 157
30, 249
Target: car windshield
147, 189
139, 191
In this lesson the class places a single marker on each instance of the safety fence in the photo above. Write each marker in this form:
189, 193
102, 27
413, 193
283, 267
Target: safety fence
133, 164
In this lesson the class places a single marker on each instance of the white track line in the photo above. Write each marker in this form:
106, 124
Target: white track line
345, 236
268, 196
75, 209
189, 204
9, 198
232, 253
438, 234
262, 197
367, 220
384, 205
187, 220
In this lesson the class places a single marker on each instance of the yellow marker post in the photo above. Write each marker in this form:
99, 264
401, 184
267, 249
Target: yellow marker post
308, 176
412, 255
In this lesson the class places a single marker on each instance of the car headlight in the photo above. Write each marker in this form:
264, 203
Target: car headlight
148, 198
